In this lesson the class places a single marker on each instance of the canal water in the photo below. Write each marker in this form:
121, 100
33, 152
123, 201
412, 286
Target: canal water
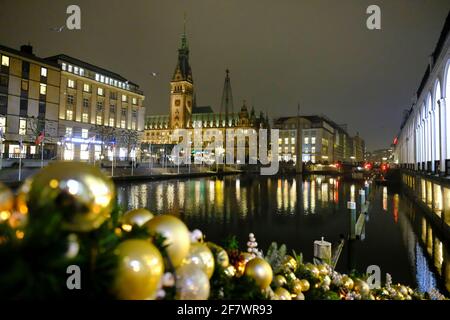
297, 211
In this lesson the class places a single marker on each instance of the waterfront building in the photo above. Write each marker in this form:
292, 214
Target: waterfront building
29, 102
380, 155
101, 114
423, 141
185, 114
322, 140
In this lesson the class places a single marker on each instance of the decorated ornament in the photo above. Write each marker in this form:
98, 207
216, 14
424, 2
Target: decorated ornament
79, 191
135, 217
326, 281
297, 286
299, 296
192, 283
201, 256
252, 246
305, 285
220, 254
139, 271
323, 269
290, 276
279, 281
176, 236
282, 294
243, 259
196, 236
347, 282
230, 271
361, 287
290, 263
259, 270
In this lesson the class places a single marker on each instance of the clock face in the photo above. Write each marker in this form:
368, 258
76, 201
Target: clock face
177, 102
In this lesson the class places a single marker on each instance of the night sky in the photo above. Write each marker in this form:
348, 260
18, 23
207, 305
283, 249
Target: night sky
279, 52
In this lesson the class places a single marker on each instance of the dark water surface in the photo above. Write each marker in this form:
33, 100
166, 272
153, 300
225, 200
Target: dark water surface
296, 211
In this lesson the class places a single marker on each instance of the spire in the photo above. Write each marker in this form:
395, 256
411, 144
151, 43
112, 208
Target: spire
183, 70
227, 99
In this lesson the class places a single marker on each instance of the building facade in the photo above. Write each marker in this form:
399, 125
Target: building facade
185, 114
29, 103
101, 114
320, 140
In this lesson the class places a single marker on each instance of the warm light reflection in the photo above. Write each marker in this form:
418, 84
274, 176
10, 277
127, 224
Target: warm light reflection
352, 193
159, 198
395, 201
385, 199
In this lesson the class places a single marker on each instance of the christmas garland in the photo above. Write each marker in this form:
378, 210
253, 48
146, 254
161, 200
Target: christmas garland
63, 236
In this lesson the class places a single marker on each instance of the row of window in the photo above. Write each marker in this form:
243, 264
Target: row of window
100, 91
5, 62
42, 87
98, 77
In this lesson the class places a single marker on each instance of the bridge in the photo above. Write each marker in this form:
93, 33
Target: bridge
423, 141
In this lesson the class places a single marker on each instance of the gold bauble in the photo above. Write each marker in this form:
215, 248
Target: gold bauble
279, 281
192, 283
297, 286
305, 285
220, 254
323, 269
361, 287
259, 270
139, 271
201, 256
176, 236
347, 282
313, 268
290, 262
6, 202
135, 217
299, 296
403, 290
230, 271
79, 191
282, 294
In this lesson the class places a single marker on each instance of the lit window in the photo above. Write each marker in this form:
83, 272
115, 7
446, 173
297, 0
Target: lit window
86, 87
111, 122
292, 140
84, 133
134, 101
100, 91
68, 151
32, 149
102, 78
85, 117
43, 72
124, 98
2, 124
99, 120
133, 125
313, 149
75, 70
286, 140
69, 114
81, 71
84, 152
5, 61
68, 132
70, 83
122, 124
313, 140
70, 68
64, 66
97, 77
43, 89
22, 126
306, 140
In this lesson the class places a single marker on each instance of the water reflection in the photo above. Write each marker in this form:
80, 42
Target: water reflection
297, 211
